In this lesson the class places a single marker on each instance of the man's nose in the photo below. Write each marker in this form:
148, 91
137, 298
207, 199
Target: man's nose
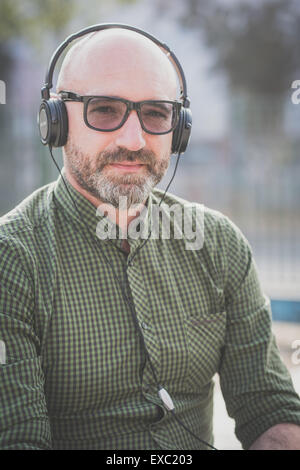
130, 135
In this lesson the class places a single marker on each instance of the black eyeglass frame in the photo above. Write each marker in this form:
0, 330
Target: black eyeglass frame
130, 106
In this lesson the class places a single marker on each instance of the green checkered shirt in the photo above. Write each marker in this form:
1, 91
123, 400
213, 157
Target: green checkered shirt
76, 374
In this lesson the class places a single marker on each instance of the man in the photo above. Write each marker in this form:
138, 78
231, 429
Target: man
112, 343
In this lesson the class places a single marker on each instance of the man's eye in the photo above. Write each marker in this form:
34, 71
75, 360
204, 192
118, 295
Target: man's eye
103, 110
156, 113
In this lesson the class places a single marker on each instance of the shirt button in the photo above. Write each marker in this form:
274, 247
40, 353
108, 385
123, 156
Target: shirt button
145, 326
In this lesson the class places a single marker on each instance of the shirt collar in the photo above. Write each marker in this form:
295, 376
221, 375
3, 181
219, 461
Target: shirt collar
84, 213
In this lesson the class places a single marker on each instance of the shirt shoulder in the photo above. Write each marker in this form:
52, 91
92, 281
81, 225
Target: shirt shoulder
28, 214
218, 227
225, 251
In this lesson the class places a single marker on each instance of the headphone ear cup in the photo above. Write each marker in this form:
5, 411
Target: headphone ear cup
60, 139
53, 122
182, 132
177, 133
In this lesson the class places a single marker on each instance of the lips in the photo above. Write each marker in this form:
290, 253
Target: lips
127, 166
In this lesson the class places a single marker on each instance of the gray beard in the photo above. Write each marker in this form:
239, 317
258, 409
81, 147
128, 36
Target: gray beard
109, 192
136, 188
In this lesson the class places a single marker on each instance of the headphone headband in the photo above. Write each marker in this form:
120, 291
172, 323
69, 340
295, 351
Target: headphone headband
99, 27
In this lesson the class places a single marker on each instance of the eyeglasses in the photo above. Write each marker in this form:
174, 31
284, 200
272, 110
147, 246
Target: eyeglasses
107, 114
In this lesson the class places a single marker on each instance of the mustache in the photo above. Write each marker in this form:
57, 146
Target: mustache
121, 155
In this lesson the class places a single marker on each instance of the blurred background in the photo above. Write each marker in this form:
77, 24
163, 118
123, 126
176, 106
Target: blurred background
240, 59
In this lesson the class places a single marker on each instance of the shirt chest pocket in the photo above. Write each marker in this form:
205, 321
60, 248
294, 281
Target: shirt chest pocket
205, 335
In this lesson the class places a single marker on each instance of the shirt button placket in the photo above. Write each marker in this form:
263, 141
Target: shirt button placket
143, 316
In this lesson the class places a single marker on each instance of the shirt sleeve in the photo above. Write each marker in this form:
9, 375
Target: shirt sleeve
256, 385
24, 421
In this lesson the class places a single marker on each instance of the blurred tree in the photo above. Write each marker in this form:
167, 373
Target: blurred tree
255, 43
30, 19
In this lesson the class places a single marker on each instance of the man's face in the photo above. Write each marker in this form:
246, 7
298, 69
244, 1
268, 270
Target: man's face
126, 162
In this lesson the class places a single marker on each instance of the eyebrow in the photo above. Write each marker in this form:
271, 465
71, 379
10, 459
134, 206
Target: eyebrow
152, 101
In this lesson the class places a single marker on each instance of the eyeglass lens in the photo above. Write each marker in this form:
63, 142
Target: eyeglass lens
108, 114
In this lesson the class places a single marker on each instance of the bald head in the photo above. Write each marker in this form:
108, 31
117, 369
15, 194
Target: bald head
117, 56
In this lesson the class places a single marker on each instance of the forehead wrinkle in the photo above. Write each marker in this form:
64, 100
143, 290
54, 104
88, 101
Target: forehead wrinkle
117, 48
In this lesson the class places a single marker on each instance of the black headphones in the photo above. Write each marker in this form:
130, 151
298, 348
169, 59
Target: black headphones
53, 117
